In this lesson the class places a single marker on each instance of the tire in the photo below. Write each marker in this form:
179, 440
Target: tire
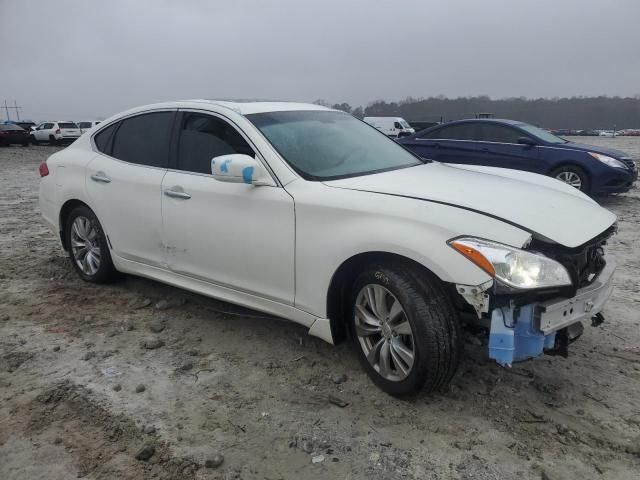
34, 141
429, 317
568, 172
25, 144
96, 265
52, 140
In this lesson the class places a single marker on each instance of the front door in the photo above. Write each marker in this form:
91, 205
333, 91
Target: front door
231, 234
500, 148
42, 132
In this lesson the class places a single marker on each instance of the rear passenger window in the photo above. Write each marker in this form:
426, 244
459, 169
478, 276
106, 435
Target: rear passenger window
499, 134
203, 137
465, 131
144, 139
102, 139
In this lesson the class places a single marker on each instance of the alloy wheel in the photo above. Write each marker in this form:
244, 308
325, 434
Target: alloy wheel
85, 246
384, 332
570, 178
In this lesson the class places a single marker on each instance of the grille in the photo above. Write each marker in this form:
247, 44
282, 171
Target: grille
584, 266
583, 263
629, 163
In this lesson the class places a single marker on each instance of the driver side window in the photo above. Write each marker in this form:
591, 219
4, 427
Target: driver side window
498, 134
203, 137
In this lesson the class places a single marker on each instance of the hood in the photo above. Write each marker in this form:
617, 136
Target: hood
535, 203
592, 148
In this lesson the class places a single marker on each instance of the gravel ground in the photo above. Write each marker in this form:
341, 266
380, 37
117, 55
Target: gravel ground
140, 380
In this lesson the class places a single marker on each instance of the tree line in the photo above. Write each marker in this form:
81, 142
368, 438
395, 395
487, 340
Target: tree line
575, 113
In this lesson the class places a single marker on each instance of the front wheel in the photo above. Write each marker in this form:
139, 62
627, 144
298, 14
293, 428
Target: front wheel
404, 329
574, 176
34, 141
88, 247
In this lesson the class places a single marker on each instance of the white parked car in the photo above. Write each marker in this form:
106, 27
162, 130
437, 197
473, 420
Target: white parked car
55, 132
391, 126
84, 126
312, 215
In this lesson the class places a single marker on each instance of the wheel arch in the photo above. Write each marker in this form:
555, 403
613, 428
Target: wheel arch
574, 164
65, 210
568, 163
345, 275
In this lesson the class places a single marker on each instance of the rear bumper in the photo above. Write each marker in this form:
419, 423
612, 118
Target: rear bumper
521, 333
8, 139
66, 137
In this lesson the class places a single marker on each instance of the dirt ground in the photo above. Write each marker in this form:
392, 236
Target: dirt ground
220, 380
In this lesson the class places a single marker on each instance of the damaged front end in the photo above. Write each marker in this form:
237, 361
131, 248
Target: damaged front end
524, 323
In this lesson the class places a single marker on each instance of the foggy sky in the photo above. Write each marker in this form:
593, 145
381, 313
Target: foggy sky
89, 59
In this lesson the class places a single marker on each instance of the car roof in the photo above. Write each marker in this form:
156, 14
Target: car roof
485, 120
247, 107
244, 107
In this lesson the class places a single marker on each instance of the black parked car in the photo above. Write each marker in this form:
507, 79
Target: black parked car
10, 133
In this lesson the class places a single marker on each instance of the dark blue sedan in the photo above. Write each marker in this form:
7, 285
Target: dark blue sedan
520, 146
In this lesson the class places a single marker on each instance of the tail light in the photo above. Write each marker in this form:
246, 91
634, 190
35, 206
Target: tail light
43, 169
58, 131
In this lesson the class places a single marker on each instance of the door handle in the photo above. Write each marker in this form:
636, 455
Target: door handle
177, 194
100, 177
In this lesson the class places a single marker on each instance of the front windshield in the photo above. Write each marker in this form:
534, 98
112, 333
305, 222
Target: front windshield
404, 124
325, 145
541, 134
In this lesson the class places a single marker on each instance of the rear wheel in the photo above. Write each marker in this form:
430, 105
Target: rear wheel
574, 176
52, 140
88, 247
405, 330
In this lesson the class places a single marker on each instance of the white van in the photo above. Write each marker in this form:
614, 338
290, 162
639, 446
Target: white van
391, 126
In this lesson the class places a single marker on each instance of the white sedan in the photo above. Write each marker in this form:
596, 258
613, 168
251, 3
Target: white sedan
312, 215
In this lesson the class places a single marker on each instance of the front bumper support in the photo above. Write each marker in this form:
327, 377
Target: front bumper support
522, 332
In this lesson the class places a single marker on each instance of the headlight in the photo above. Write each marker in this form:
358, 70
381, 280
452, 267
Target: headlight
512, 266
612, 162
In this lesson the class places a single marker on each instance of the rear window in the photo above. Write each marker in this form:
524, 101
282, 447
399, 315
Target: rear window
67, 125
10, 128
144, 139
103, 138
461, 131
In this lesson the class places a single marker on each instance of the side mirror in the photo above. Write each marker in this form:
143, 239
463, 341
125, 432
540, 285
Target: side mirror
526, 141
239, 168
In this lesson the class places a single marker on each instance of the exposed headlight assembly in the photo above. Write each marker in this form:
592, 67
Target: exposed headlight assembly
511, 266
612, 162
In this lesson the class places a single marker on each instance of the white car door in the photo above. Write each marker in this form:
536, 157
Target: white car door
230, 234
124, 184
42, 132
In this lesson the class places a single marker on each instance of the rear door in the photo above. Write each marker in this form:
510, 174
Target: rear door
124, 183
230, 234
449, 144
500, 147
